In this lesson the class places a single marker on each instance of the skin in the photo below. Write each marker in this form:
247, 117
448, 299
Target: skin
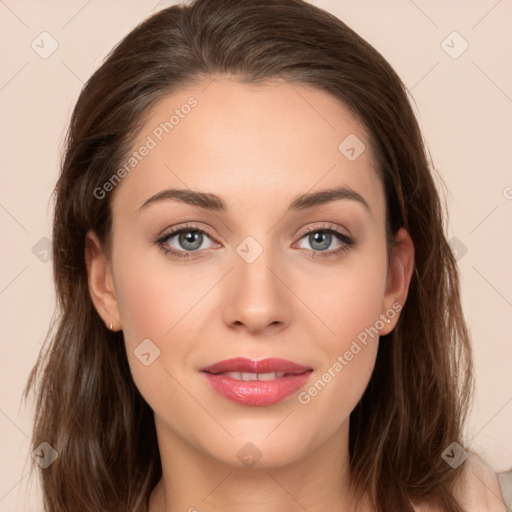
258, 147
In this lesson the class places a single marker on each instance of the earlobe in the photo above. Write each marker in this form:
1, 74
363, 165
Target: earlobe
100, 282
401, 267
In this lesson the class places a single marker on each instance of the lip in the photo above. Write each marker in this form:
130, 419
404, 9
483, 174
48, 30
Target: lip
254, 392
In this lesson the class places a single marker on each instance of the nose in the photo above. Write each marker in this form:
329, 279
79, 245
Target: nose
256, 296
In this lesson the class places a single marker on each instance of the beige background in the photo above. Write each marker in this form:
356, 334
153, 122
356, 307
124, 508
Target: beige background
464, 106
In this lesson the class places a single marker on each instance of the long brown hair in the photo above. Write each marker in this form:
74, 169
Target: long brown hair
87, 406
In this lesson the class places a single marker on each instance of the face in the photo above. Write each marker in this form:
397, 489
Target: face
260, 268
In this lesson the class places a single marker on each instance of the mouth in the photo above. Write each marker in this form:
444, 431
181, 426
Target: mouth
246, 376
256, 382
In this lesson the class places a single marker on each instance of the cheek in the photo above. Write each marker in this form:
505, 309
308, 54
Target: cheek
153, 311
145, 305
349, 297
350, 302
153, 296
338, 387
163, 302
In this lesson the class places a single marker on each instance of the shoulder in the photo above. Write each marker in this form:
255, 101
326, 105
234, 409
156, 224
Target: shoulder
477, 489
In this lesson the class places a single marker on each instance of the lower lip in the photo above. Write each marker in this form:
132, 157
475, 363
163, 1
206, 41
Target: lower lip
255, 392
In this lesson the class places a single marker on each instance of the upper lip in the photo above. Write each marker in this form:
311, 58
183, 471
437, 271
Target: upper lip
241, 364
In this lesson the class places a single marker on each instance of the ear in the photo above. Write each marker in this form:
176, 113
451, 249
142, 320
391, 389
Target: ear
100, 282
400, 271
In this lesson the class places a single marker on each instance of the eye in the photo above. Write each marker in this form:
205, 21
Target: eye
183, 241
322, 238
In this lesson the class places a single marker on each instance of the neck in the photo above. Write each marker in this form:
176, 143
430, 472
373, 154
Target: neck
195, 482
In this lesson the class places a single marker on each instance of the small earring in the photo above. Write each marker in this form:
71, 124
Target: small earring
110, 325
387, 320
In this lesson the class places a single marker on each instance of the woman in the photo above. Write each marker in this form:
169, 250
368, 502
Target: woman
258, 307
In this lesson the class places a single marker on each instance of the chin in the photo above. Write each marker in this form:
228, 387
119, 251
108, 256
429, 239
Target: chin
261, 451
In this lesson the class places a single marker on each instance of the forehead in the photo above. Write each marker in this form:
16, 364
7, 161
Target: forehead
263, 143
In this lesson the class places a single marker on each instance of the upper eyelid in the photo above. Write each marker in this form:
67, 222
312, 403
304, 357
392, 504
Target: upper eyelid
175, 231
324, 226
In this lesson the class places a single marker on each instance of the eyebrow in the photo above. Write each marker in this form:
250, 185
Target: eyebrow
213, 202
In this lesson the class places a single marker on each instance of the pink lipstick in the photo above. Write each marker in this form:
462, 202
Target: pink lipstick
256, 382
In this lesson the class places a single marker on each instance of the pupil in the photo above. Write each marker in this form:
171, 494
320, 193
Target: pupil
189, 237
318, 237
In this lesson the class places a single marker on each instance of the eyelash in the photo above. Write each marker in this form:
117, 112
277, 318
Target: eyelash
346, 240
